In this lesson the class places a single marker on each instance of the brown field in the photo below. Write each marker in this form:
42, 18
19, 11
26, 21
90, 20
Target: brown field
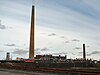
18, 72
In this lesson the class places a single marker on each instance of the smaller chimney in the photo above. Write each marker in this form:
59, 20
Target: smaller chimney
8, 56
84, 55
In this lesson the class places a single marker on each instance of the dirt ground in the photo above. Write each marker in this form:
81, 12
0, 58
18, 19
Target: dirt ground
18, 72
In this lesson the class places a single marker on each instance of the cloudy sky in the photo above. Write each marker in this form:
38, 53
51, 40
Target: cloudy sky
61, 27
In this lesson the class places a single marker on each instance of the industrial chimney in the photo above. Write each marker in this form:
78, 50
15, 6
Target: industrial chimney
84, 55
8, 56
31, 49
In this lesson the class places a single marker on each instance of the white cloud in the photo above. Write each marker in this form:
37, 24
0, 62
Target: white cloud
10, 45
20, 52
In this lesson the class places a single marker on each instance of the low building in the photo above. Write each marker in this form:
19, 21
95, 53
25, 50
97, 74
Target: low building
50, 58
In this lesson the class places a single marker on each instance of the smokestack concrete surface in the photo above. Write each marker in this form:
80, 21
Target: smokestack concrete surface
84, 54
31, 49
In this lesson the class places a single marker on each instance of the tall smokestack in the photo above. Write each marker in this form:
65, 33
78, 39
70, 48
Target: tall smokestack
31, 51
84, 55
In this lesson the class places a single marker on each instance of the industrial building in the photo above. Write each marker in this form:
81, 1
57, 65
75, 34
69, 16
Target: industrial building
47, 61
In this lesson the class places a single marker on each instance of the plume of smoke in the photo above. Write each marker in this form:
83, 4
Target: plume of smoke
35, 2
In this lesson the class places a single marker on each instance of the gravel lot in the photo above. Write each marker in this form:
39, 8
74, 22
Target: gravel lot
18, 72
